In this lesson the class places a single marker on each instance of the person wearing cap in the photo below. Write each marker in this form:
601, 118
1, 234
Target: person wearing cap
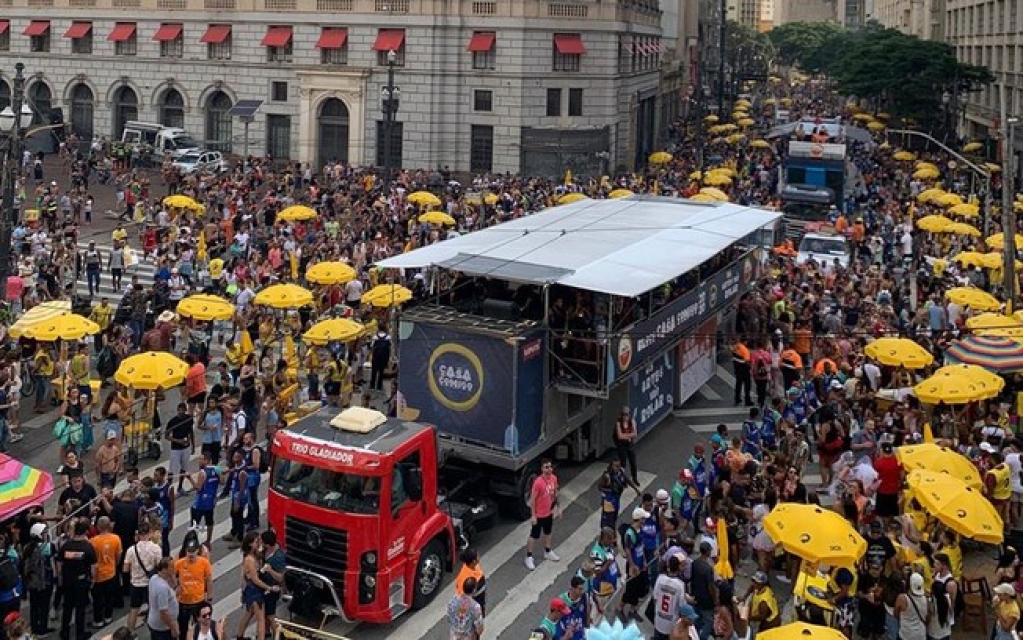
684, 500
913, 610
612, 485
625, 435
998, 484
1006, 608
764, 611
890, 476
553, 627
106, 588
109, 461
14, 626
195, 583
669, 595
870, 593
38, 575
637, 576
465, 616
685, 626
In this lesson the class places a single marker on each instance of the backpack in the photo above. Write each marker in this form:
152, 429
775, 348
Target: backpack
264, 460
106, 364
9, 574
35, 569
760, 370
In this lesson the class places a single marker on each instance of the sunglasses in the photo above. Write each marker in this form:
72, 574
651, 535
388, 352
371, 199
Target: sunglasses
206, 615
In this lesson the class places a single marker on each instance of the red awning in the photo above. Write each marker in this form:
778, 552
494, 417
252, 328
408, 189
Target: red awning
482, 41
168, 32
78, 30
4, 26
277, 37
569, 44
37, 28
216, 34
332, 38
121, 32
389, 40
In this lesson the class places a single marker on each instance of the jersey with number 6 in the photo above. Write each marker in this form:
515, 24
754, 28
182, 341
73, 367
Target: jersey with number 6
669, 596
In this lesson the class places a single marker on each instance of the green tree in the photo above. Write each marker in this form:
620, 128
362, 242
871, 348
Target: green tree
800, 43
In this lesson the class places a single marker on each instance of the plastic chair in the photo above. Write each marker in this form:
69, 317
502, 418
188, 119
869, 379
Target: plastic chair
976, 595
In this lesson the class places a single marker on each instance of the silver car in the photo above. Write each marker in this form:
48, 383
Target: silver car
201, 162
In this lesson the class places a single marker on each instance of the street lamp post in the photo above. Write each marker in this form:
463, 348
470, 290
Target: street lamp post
14, 119
1008, 212
390, 97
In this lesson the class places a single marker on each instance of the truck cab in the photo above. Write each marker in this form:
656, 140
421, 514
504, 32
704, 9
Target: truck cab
158, 139
825, 246
354, 500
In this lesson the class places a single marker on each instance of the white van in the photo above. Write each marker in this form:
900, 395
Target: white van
161, 139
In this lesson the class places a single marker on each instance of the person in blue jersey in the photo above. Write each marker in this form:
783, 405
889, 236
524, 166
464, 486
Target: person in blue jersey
769, 426
684, 499
606, 573
553, 626
11, 588
650, 533
237, 489
253, 463
578, 604
612, 485
637, 576
165, 488
206, 483
752, 437
703, 476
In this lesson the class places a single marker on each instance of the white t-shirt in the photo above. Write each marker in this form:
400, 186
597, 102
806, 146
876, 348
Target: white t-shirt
1012, 460
669, 596
147, 557
353, 290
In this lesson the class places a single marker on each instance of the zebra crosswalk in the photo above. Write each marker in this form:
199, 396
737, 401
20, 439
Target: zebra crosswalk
145, 270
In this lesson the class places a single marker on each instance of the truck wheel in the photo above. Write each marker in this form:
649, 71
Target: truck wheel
429, 575
519, 507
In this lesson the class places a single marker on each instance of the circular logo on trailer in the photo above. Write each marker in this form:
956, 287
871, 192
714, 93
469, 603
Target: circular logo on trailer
804, 538
314, 539
816, 150
713, 295
624, 353
747, 271
455, 376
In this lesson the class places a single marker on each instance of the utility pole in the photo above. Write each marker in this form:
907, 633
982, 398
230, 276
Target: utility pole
11, 121
721, 58
1008, 213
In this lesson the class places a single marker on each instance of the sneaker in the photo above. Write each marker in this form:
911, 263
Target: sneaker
530, 564
550, 555
15, 437
783, 578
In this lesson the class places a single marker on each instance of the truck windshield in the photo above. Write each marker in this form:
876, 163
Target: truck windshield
185, 142
325, 488
823, 246
805, 211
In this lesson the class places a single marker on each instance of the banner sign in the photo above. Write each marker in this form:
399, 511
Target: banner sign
696, 361
524, 431
681, 316
457, 381
651, 391
816, 150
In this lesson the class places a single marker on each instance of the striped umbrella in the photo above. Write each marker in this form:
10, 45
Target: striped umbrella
21, 486
994, 353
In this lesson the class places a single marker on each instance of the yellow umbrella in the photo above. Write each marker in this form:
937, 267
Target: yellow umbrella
67, 326
970, 259
995, 324
717, 180
296, 213
746, 122
491, 199
934, 224
205, 308
437, 218
723, 568
620, 193
899, 352
1017, 206
923, 164
801, 631
660, 157
181, 201
711, 119
719, 140
875, 126
151, 370
996, 260
695, 175
815, 534
863, 117
931, 457
335, 272
926, 174
930, 195
958, 506
387, 295
569, 198
37, 314
997, 241
904, 156
424, 199
702, 197
333, 330
954, 384
971, 147
976, 299
728, 127
760, 144
950, 199
728, 171
962, 229
966, 209
715, 193
736, 138
284, 296
743, 103
992, 167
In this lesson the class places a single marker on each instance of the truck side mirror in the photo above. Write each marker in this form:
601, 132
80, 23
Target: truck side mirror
414, 485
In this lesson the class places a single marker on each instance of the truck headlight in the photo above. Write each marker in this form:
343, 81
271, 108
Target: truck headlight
369, 581
369, 561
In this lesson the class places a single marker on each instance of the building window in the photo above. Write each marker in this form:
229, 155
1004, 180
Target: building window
484, 60
390, 40
481, 149
219, 50
218, 122
483, 100
172, 109
40, 43
567, 61
568, 52
575, 102
333, 46
5, 40
125, 38
553, 103
278, 43
399, 57
279, 54
82, 45
279, 91
173, 48
482, 45
278, 136
337, 56
397, 144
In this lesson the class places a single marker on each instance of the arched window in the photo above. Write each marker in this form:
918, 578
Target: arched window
172, 109
218, 122
82, 103
5, 94
126, 107
333, 131
40, 98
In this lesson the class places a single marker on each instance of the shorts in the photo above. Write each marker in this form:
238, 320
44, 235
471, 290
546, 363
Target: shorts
332, 388
199, 517
636, 589
270, 601
544, 525
179, 459
887, 505
251, 594
138, 596
199, 398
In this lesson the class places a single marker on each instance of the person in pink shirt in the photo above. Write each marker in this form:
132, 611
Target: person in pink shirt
543, 502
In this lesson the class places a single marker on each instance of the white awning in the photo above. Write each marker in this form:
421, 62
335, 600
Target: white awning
624, 246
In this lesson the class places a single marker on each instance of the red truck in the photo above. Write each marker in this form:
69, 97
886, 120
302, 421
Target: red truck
354, 498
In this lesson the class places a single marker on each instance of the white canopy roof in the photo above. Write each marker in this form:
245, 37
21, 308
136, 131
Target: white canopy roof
624, 246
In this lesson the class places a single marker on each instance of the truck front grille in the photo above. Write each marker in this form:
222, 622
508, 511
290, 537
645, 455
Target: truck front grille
317, 548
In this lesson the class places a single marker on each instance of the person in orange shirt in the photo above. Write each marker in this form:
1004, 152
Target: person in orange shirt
791, 366
841, 224
802, 342
106, 590
743, 374
195, 583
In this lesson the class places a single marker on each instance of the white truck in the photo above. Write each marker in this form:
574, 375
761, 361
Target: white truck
158, 139
824, 247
